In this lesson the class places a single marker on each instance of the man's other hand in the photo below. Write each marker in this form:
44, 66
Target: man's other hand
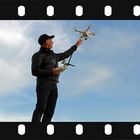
56, 71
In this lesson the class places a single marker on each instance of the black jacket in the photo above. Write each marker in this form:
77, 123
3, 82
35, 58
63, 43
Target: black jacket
45, 60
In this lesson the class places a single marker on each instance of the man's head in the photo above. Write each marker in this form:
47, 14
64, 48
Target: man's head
46, 41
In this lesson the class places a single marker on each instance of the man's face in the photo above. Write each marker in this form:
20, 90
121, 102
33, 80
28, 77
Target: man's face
48, 43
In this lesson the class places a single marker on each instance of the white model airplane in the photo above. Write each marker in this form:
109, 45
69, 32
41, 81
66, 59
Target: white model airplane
85, 34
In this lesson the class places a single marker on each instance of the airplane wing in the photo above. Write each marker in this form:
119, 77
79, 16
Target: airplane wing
88, 28
78, 31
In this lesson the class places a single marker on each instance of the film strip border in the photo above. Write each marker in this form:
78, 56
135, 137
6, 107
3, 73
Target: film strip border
70, 131
66, 9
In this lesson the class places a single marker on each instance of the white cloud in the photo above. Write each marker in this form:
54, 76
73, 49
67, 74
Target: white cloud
15, 50
14, 117
13, 33
109, 39
91, 77
96, 77
12, 78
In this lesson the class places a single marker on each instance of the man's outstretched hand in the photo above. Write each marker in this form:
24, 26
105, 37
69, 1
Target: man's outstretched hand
79, 42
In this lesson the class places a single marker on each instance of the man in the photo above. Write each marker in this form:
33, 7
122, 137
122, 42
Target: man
45, 68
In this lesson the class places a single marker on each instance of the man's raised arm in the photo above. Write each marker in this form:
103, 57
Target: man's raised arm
66, 54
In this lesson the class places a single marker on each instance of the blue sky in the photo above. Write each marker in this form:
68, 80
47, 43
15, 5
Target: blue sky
104, 85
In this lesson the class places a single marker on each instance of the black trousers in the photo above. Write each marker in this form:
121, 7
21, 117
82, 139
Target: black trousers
47, 94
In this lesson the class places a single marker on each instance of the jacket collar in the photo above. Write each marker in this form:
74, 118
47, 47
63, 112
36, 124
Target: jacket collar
46, 50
